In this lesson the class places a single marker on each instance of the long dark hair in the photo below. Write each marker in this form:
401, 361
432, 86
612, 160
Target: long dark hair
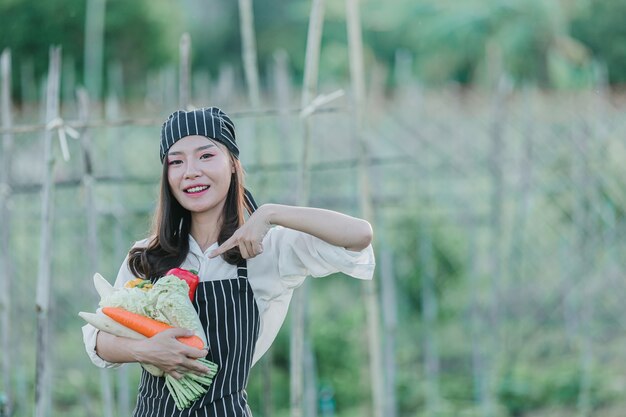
171, 225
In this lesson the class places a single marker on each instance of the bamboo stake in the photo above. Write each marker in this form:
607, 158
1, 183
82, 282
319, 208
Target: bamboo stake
42, 387
476, 322
248, 43
494, 335
390, 318
113, 113
580, 304
298, 322
518, 247
88, 183
184, 82
251, 70
370, 293
429, 308
282, 94
310, 386
6, 265
281, 88
94, 47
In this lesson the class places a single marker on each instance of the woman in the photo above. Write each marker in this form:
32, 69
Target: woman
248, 267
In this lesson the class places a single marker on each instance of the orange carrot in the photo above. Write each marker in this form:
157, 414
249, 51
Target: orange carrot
147, 326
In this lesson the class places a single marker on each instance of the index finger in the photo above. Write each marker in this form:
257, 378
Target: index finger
230, 243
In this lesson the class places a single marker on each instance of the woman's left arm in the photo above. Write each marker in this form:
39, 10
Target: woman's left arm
332, 227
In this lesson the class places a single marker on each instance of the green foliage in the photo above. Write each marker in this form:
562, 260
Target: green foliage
554, 383
553, 44
29, 27
409, 234
136, 33
141, 34
601, 27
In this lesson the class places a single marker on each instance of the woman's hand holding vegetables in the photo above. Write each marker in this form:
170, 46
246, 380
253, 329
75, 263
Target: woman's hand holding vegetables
173, 357
249, 237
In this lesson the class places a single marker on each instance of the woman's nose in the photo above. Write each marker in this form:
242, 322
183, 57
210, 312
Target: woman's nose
192, 171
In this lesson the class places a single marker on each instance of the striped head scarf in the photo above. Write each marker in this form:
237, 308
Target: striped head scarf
209, 121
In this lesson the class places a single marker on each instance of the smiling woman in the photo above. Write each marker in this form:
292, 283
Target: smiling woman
248, 268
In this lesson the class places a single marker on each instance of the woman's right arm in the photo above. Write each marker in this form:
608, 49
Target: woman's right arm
161, 350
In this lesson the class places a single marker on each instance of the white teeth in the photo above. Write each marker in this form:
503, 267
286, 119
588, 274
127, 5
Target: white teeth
196, 189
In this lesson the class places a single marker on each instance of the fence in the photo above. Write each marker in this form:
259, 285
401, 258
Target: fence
499, 222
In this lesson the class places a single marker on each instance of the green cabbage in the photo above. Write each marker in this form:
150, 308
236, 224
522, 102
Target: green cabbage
167, 301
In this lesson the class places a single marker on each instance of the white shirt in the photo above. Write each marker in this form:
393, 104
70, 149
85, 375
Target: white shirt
288, 257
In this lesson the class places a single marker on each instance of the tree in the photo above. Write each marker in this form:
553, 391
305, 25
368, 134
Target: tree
140, 34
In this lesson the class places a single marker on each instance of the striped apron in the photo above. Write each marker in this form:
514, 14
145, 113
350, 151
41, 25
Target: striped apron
230, 317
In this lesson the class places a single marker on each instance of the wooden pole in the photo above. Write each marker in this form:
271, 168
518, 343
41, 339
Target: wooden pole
94, 47
518, 251
88, 183
6, 265
42, 386
184, 80
370, 293
248, 43
429, 320
251, 70
298, 321
282, 94
113, 113
390, 319
580, 305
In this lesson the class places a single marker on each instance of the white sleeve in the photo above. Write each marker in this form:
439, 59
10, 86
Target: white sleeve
90, 333
288, 257
300, 255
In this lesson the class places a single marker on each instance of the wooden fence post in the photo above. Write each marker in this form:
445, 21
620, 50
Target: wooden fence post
369, 288
390, 318
6, 264
112, 113
94, 47
429, 319
184, 76
299, 303
42, 383
248, 41
88, 183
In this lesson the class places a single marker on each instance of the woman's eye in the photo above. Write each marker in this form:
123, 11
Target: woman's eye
206, 156
174, 162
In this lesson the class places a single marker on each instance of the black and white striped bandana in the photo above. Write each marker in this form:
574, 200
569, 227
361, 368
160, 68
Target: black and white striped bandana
209, 121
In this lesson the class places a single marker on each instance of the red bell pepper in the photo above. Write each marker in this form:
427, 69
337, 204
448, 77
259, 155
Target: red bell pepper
190, 277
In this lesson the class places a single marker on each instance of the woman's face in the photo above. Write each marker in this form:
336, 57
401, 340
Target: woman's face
199, 173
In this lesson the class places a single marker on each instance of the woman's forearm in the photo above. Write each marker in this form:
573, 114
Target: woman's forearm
162, 350
116, 349
335, 228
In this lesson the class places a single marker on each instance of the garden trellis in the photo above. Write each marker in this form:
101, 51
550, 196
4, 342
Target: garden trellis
528, 185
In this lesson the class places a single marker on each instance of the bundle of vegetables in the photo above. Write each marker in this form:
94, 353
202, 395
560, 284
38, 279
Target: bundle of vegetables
142, 309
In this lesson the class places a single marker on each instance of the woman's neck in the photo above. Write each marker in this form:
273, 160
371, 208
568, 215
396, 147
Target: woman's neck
205, 228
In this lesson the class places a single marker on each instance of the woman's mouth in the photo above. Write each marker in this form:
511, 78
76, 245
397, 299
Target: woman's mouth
197, 189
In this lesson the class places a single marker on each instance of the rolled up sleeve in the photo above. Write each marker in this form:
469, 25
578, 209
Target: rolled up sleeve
301, 255
90, 333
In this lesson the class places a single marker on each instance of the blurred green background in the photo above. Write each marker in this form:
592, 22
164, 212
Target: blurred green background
496, 136
552, 44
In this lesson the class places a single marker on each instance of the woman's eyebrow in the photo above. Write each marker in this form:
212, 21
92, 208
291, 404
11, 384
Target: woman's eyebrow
201, 148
